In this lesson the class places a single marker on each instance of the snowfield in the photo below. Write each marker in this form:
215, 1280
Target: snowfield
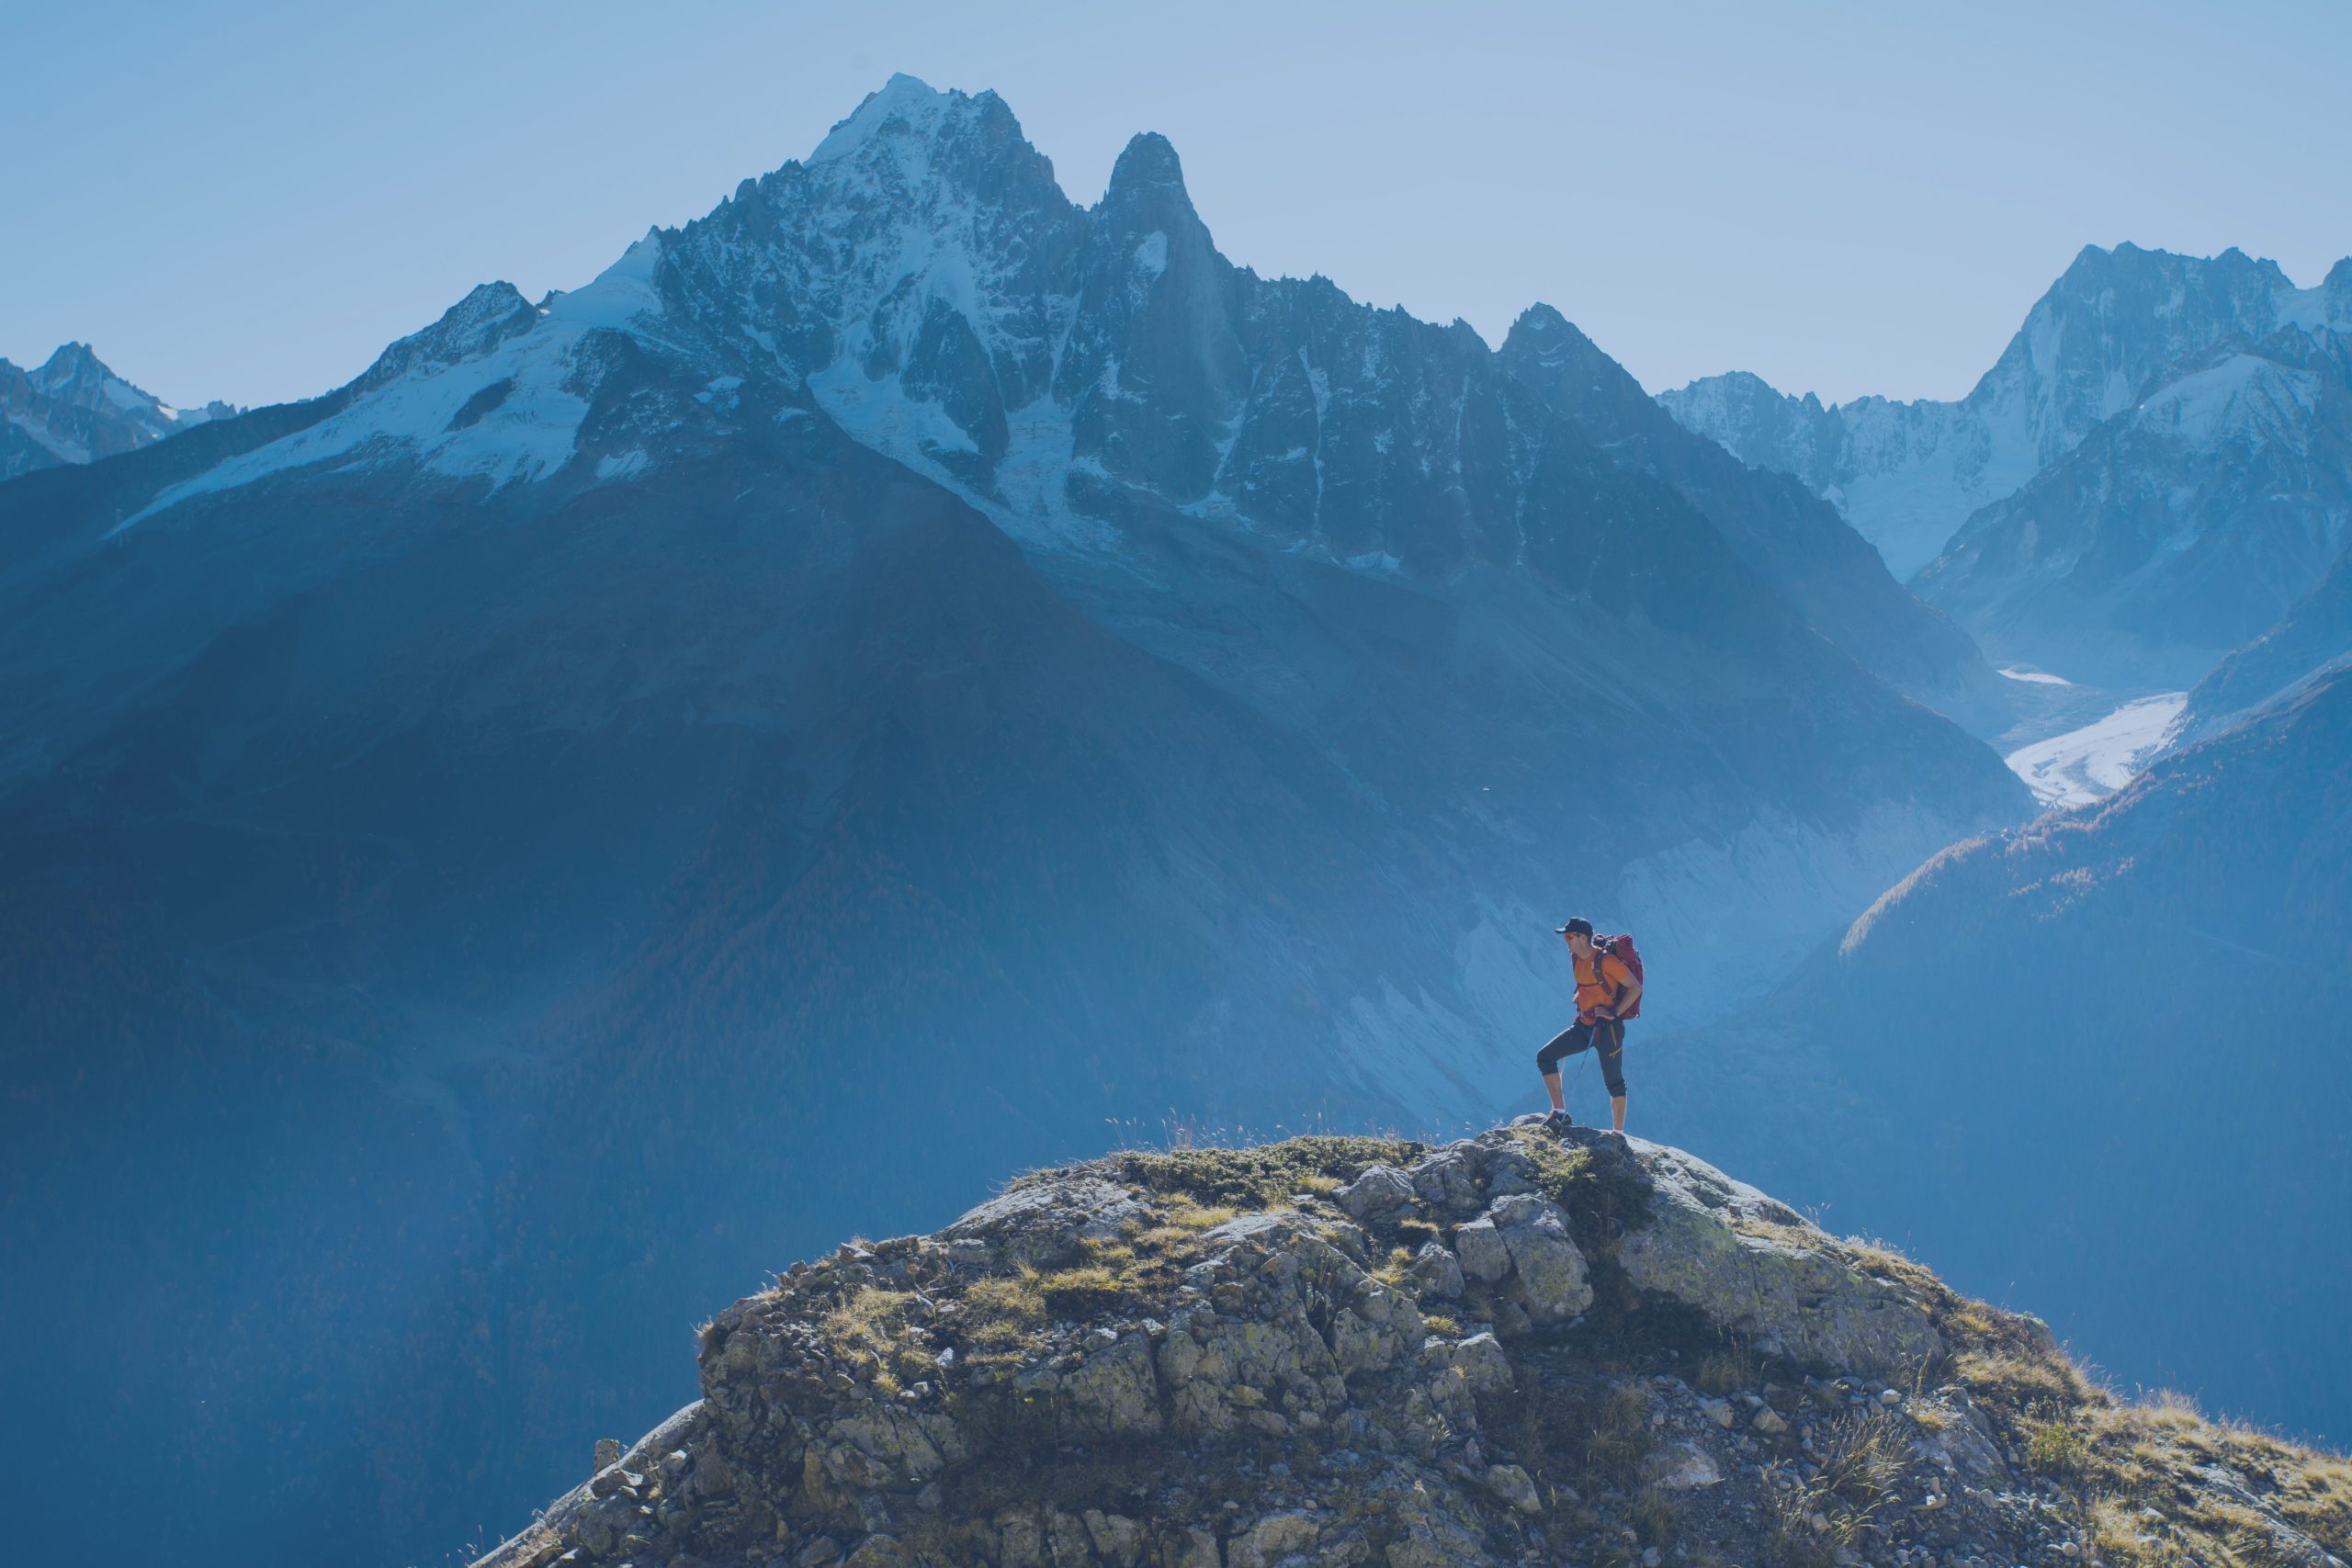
2095, 760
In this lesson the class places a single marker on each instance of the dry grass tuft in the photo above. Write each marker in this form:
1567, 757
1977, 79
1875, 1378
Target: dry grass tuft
1728, 1369
1620, 1437
1809, 1528
1652, 1515
1255, 1180
2058, 1451
870, 1332
1864, 1455
1002, 1314
1864, 1458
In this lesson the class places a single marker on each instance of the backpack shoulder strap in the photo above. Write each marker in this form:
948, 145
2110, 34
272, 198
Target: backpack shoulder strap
1600, 957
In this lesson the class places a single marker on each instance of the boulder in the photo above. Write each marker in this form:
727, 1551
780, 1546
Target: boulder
1265, 1230
1952, 1436
1514, 1486
1683, 1467
687, 1429
1116, 1392
1021, 1540
1481, 1252
1480, 1360
1757, 1269
1549, 1276
1437, 1274
1290, 1532
1045, 1222
1453, 1177
1197, 1548
1510, 1169
1067, 1542
1383, 1191
1118, 1539
876, 1552
1435, 1541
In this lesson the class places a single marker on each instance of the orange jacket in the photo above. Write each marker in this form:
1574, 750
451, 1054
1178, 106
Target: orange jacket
1591, 992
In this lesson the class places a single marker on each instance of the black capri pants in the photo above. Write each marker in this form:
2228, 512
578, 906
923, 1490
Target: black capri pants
1609, 1034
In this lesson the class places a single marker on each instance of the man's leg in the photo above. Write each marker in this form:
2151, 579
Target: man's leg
1547, 1063
1612, 1072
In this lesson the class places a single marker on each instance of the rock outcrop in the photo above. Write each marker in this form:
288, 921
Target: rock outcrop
1514, 1349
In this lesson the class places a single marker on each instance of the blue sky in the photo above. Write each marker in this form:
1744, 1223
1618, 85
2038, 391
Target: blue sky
248, 200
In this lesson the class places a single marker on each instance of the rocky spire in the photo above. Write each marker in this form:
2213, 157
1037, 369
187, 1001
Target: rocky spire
1147, 186
1158, 312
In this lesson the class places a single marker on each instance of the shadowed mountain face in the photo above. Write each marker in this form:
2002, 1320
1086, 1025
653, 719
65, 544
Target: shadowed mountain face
887, 680
72, 408
2110, 332
2100, 1062
1789, 534
2313, 636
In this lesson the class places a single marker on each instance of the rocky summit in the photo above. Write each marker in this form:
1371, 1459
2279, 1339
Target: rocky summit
1520, 1347
72, 408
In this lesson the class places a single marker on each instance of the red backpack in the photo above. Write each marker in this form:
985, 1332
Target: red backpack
1621, 948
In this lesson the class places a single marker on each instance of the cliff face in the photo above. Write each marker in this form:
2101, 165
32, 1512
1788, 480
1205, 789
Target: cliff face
1515, 1349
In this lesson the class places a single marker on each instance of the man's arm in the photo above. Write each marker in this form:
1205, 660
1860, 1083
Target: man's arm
1625, 997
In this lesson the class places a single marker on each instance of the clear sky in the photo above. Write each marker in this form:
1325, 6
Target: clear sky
248, 200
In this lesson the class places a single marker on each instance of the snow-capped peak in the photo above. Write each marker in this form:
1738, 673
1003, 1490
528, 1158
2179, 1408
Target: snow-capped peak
621, 293
496, 388
73, 409
2117, 322
2239, 395
905, 100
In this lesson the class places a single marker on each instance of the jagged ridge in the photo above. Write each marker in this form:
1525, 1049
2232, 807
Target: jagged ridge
1515, 1347
1908, 474
73, 409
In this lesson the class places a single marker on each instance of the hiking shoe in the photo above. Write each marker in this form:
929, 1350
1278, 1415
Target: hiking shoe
1557, 1120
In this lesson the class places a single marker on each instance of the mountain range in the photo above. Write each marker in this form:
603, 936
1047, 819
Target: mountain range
890, 678
72, 408
2116, 327
2175, 532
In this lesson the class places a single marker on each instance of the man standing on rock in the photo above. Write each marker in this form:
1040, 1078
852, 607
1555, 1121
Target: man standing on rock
1607, 988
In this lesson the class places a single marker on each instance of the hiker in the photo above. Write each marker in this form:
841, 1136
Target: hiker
1608, 991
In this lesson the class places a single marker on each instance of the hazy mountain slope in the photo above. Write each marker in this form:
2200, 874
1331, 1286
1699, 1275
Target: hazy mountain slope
2175, 532
802, 878
72, 408
2315, 635
883, 680
1908, 474
2100, 1062
1834, 576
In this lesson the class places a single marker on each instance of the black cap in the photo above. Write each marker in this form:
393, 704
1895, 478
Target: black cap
1576, 926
